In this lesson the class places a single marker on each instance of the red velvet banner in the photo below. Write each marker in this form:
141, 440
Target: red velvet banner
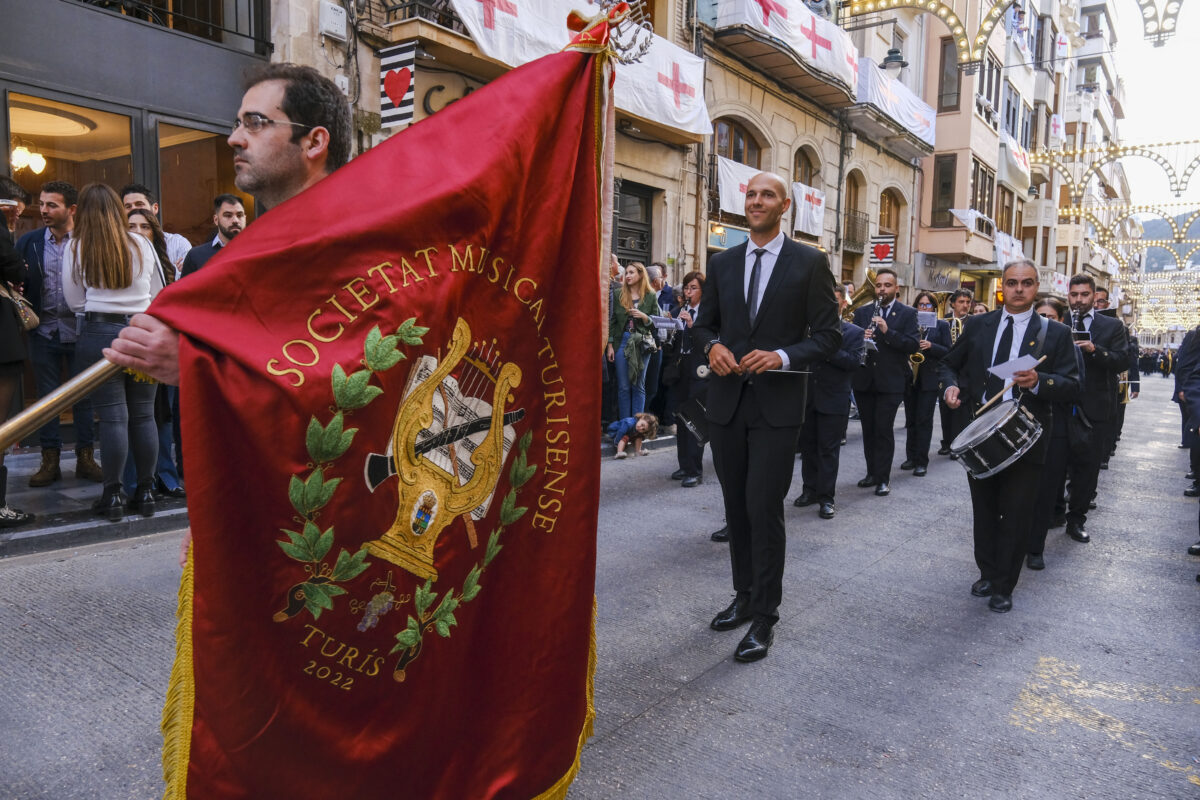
390, 403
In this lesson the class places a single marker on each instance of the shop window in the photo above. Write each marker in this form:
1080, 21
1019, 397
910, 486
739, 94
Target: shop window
195, 166
56, 141
805, 169
736, 143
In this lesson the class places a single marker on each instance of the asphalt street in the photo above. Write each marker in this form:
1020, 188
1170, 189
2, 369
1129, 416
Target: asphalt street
887, 678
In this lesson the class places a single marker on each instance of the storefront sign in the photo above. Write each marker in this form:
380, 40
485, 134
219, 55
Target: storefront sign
935, 274
396, 85
883, 250
723, 237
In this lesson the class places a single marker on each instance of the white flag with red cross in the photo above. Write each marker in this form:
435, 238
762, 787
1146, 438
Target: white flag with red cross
810, 209
732, 179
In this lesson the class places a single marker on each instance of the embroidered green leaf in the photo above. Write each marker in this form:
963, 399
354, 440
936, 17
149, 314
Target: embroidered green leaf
319, 596
323, 542
493, 547
298, 548
423, 598
313, 493
510, 512
410, 332
470, 586
525, 441
446, 607
338, 379
380, 352
521, 471
331, 442
350, 566
357, 391
443, 628
409, 637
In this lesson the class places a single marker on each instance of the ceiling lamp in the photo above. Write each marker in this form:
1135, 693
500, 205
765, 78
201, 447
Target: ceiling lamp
22, 157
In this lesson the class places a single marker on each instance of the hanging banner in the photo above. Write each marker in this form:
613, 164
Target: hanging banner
1062, 52
896, 100
397, 81
1016, 157
391, 582
817, 42
1007, 249
810, 209
666, 86
883, 250
1056, 131
732, 178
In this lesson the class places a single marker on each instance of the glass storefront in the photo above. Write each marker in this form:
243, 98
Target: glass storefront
194, 167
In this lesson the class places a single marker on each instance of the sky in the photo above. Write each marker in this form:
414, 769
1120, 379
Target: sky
1160, 103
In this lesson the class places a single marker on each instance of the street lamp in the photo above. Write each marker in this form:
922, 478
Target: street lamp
893, 62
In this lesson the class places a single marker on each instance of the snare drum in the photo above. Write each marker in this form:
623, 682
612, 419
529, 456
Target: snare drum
996, 439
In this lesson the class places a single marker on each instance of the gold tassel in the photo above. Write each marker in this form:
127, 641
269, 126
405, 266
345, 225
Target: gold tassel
181, 696
140, 377
559, 790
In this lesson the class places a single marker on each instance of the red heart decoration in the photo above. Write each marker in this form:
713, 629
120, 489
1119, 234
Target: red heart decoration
395, 84
882, 251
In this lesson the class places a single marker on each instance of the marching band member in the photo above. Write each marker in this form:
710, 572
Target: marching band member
1000, 503
953, 419
920, 395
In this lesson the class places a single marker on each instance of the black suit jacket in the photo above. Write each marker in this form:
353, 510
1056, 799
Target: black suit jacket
966, 366
887, 369
829, 386
798, 315
197, 257
1098, 394
939, 345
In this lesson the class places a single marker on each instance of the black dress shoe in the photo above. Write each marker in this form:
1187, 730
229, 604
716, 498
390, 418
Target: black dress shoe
737, 615
943, 451
805, 499
757, 641
721, 535
1000, 603
868, 481
954, 456
1035, 561
827, 511
1192, 491
921, 472
1092, 505
1191, 476
678, 475
145, 501
1076, 532
883, 489
981, 588
1104, 465
111, 503
691, 481
161, 490
1194, 550
908, 464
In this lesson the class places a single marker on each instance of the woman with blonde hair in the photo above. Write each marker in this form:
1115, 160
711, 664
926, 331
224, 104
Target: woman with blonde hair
110, 274
631, 338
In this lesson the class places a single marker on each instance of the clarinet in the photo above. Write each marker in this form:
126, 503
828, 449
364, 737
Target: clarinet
862, 361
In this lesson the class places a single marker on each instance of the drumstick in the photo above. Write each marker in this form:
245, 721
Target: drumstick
1000, 394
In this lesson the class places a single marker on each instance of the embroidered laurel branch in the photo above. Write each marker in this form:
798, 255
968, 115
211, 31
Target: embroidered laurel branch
309, 494
441, 618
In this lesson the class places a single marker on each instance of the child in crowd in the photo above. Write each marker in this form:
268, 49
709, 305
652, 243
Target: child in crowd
633, 429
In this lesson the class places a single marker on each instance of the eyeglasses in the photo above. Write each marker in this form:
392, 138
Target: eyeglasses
254, 123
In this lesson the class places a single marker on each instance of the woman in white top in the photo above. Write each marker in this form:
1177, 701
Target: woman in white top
110, 274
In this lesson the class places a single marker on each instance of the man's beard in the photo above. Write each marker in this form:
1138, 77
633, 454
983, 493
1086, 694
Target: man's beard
229, 233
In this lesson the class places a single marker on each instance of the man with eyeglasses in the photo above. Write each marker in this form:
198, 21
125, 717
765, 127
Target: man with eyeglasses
292, 130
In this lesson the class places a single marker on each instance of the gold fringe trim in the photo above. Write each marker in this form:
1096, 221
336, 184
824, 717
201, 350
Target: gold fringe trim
559, 790
181, 696
140, 377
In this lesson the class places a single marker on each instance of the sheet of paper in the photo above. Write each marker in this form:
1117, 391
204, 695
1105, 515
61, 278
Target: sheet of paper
666, 323
1005, 371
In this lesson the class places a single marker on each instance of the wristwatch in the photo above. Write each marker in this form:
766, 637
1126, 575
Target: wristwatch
709, 346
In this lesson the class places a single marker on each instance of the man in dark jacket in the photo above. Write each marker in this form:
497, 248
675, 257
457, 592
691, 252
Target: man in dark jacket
879, 385
52, 343
826, 418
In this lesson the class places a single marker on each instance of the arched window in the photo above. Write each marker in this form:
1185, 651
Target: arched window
736, 143
889, 212
804, 170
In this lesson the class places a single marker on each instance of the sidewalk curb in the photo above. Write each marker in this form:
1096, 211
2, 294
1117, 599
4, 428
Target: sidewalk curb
75, 529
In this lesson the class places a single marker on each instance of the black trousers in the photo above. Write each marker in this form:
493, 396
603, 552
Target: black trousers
1003, 517
918, 424
754, 463
877, 412
1083, 470
688, 450
820, 451
953, 421
1049, 490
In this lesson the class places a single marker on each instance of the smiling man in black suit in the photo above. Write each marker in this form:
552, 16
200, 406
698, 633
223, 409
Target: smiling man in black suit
768, 309
1003, 513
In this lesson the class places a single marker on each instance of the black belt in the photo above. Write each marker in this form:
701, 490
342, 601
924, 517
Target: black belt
104, 316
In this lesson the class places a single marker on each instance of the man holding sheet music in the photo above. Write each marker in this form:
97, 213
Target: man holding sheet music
970, 376
768, 308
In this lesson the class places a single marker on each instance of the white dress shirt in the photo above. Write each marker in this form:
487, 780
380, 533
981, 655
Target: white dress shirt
766, 267
1020, 325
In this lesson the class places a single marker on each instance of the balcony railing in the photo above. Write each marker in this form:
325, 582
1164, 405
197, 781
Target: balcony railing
242, 24
854, 238
439, 12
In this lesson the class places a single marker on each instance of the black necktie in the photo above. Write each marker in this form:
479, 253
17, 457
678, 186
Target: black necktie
994, 384
1079, 323
752, 295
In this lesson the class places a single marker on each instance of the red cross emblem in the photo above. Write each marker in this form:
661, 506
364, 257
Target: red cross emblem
675, 84
811, 199
742, 188
767, 7
489, 11
853, 62
811, 35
